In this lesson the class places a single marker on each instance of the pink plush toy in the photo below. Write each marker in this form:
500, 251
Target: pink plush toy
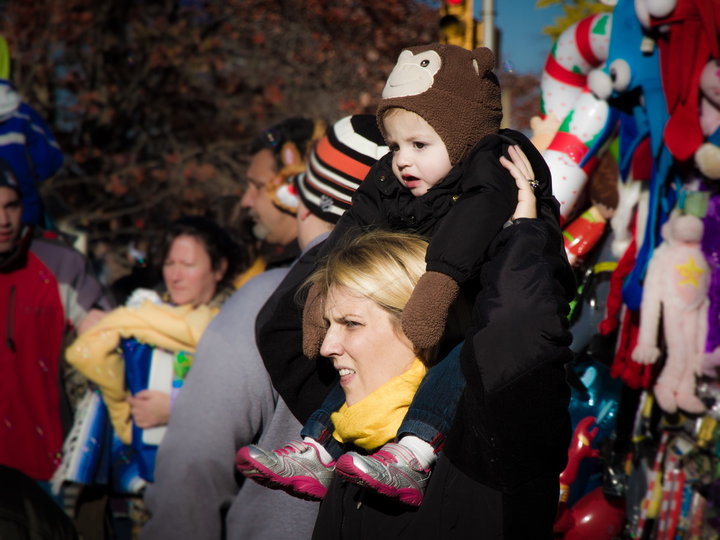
677, 281
707, 157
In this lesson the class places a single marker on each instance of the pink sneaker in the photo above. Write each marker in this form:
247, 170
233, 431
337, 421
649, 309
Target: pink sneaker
296, 468
393, 471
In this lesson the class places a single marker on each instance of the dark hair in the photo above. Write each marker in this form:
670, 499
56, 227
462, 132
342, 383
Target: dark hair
296, 130
8, 178
228, 214
218, 243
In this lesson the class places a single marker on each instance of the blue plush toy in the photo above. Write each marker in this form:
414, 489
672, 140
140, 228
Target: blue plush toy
631, 81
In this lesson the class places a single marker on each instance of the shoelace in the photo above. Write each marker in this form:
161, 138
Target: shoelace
387, 457
391, 455
293, 447
384, 456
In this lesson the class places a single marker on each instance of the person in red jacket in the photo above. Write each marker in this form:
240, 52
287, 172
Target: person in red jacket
47, 289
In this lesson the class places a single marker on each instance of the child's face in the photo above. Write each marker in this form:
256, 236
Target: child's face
420, 159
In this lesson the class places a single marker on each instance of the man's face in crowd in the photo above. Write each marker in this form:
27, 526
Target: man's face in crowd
10, 214
271, 224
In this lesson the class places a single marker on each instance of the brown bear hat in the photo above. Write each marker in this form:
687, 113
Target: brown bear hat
451, 88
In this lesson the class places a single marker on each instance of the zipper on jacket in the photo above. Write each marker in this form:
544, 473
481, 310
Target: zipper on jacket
10, 322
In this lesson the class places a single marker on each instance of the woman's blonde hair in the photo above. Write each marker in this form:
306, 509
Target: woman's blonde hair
383, 266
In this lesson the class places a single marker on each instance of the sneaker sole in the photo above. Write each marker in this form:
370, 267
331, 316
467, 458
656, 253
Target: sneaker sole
298, 486
409, 496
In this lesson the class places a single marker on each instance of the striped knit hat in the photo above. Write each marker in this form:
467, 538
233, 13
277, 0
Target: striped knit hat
338, 163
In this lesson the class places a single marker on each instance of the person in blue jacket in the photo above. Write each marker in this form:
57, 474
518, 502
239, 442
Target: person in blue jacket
29, 147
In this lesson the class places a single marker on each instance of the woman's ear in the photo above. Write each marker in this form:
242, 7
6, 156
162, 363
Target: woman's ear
221, 269
302, 212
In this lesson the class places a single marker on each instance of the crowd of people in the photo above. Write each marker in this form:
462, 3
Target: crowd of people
390, 365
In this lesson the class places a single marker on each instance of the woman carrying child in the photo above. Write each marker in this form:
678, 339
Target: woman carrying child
364, 288
444, 178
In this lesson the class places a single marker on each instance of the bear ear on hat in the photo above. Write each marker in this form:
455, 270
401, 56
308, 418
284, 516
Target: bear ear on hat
484, 60
291, 159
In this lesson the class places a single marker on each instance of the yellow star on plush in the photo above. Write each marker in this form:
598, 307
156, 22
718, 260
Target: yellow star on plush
691, 272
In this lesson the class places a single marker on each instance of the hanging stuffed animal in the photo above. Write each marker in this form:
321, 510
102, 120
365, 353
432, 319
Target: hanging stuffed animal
677, 283
707, 157
626, 322
594, 515
688, 40
711, 249
573, 124
583, 233
631, 80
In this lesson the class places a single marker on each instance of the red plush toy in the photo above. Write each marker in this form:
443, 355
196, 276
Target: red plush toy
593, 516
689, 40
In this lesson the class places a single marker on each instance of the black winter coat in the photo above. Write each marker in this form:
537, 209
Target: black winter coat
498, 474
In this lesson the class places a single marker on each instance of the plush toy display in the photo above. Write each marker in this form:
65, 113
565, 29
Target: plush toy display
660, 80
676, 288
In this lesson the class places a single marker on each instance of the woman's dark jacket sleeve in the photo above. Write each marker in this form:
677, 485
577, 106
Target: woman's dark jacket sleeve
512, 424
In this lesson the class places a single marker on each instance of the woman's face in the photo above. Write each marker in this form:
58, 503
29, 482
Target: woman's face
363, 343
188, 273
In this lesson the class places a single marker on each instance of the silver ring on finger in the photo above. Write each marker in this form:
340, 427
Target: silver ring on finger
533, 183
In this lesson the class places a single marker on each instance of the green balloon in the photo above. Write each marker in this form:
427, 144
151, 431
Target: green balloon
4, 59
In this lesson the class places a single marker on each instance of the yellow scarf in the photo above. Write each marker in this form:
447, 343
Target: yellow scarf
257, 267
375, 419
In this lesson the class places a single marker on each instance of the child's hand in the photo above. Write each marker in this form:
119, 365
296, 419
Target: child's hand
521, 170
150, 408
425, 314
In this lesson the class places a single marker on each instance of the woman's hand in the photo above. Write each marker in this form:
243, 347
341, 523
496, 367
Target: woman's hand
92, 317
521, 170
150, 408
